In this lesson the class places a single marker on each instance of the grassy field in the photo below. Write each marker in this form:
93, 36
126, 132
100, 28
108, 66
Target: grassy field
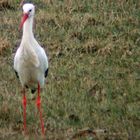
93, 88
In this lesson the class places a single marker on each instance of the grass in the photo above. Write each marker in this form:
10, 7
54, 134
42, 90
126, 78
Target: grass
94, 74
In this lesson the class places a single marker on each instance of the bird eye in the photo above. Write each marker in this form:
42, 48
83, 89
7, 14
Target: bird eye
30, 10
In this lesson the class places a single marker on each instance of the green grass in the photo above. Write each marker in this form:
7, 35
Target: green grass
94, 70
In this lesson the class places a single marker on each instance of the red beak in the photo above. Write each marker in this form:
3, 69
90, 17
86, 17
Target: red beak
24, 17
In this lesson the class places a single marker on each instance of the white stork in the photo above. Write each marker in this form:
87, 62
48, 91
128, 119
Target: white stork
30, 61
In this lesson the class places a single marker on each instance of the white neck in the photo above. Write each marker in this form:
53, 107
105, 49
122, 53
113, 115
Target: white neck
28, 43
28, 30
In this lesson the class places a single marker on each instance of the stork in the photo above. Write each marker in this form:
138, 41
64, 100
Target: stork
30, 62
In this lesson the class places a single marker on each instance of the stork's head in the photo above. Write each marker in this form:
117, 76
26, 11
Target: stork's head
28, 12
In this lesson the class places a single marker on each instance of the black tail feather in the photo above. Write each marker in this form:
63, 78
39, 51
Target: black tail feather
33, 91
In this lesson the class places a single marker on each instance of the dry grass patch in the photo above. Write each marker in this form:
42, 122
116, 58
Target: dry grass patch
105, 51
5, 4
4, 44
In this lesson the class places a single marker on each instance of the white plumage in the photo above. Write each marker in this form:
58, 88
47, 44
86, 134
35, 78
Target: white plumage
30, 61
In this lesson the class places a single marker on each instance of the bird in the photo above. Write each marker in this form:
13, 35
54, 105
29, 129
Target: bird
30, 61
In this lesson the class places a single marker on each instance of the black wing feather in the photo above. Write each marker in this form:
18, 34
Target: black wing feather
46, 73
17, 74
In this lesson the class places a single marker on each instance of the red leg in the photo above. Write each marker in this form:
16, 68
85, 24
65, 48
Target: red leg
24, 102
38, 103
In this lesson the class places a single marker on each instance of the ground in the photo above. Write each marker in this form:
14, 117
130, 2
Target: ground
93, 86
